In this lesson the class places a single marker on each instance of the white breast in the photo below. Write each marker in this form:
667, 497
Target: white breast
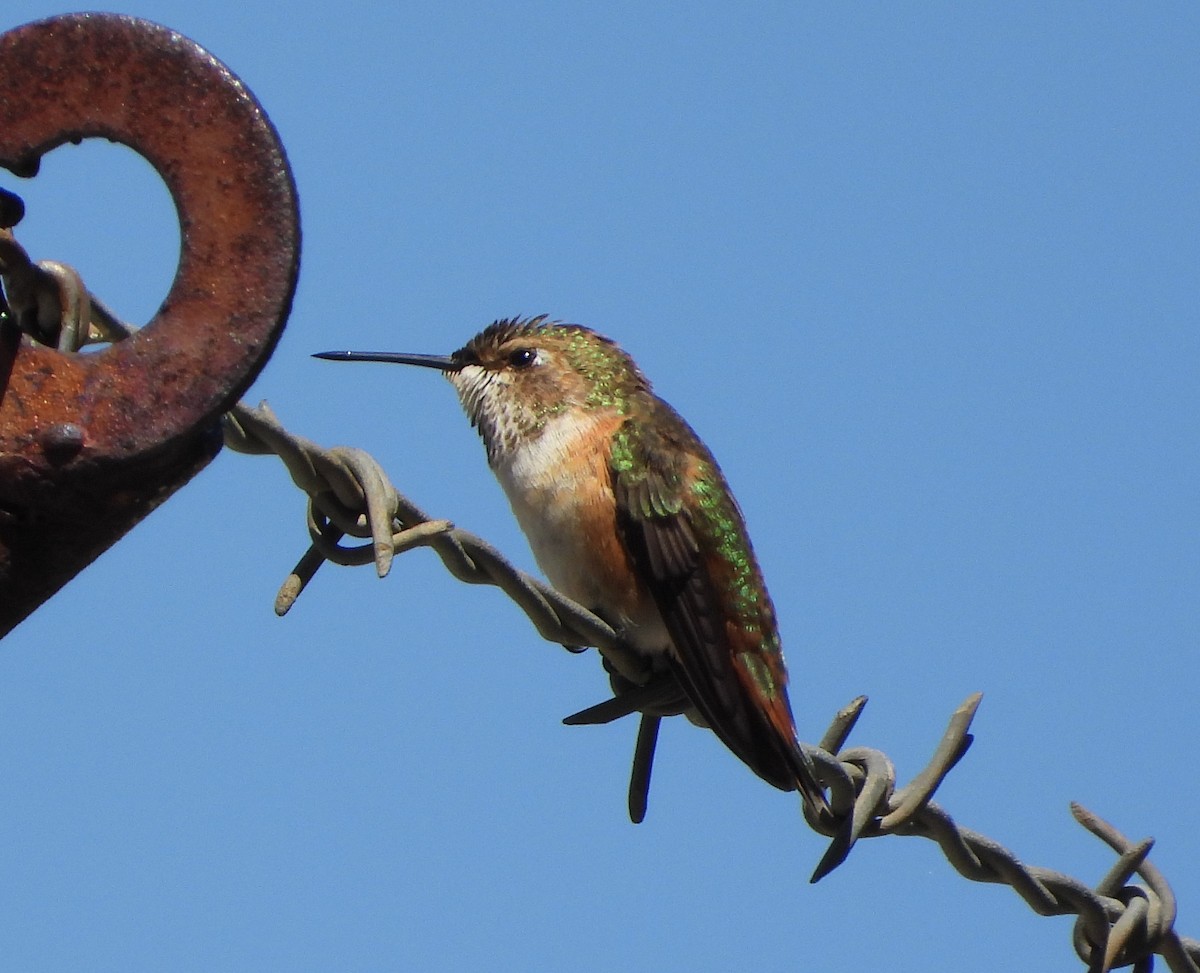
543, 479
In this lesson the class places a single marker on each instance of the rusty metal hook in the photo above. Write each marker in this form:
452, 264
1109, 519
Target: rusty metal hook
89, 444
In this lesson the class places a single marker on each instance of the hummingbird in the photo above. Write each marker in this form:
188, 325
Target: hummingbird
628, 514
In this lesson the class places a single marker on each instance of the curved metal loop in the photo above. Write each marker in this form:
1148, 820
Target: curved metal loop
153, 90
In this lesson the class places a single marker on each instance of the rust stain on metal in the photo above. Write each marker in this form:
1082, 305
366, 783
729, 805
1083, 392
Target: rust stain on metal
91, 443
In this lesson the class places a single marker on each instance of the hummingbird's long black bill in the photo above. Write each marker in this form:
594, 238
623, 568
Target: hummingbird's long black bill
441, 362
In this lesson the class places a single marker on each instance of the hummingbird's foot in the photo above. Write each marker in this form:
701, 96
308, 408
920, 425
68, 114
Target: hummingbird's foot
627, 663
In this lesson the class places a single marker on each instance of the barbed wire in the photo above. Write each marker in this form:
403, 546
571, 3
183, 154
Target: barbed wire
1117, 924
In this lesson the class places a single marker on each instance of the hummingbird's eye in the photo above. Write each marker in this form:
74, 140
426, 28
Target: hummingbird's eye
523, 357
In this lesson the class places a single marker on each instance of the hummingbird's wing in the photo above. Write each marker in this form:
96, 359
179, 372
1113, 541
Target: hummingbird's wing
684, 533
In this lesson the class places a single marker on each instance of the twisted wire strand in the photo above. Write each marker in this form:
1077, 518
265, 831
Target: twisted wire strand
1117, 924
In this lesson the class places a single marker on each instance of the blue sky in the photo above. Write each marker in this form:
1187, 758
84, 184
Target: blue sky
925, 278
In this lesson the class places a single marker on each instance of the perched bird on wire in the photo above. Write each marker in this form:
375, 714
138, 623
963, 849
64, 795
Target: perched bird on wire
628, 514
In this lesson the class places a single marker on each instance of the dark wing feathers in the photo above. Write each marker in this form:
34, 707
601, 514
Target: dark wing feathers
684, 575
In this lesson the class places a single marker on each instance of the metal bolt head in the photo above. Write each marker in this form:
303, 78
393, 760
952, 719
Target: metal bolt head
61, 441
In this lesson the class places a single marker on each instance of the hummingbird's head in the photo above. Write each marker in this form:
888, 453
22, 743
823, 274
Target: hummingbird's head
517, 373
